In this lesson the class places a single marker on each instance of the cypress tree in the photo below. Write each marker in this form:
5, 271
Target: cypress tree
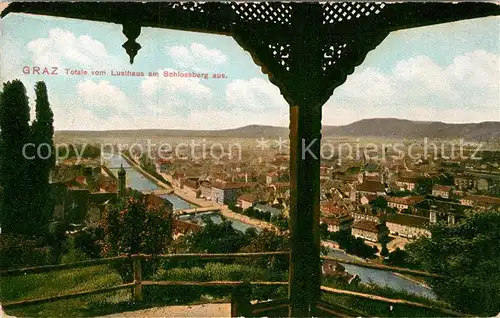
15, 134
42, 131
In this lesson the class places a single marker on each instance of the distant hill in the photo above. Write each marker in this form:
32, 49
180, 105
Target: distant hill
391, 127
376, 127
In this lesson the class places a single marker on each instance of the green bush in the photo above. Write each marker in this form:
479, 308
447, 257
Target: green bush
213, 272
18, 251
73, 254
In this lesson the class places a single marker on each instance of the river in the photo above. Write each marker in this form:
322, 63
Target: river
137, 181
382, 278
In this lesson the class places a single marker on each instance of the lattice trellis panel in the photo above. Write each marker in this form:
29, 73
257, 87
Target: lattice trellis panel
345, 11
188, 6
332, 54
281, 53
272, 56
340, 59
263, 11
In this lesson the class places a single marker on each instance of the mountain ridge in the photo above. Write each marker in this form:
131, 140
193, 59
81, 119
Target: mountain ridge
375, 127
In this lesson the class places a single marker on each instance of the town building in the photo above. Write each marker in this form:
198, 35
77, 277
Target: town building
182, 228
408, 183
272, 210
205, 189
272, 177
370, 231
331, 268
225, 192
163, 165
404, 203
338, 223
480, 201
246, 201
407, 225
192, 187
369, 188
365, 213
442, 191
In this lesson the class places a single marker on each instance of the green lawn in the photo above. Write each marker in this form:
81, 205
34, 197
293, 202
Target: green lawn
61, 282
95, 277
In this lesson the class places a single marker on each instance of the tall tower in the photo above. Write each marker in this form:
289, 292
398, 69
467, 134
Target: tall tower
121, 182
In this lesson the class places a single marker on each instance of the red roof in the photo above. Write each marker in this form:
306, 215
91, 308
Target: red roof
226, 185
164, 160
330, 221
407, 220
366, 226
154, 200
442, 188
372, 178
408, 200
371, 186
482, 199
247, 197
370, 197
331, 208
186, 227
408, 180
80, 179
281, 184
190, 183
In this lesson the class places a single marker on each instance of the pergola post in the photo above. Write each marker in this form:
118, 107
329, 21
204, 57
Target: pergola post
305, 146
304, 272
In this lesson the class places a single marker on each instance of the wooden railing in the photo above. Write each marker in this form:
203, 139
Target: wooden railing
239, 304
240, 301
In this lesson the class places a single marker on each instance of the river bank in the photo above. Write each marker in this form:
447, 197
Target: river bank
134, 164
224, 209
413, 280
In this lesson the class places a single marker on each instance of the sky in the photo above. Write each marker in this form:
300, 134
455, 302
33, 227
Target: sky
448, 72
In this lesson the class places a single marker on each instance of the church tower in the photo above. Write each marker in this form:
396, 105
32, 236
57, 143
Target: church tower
361, 174
121, 182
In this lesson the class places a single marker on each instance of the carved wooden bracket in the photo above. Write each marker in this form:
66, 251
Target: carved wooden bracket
132, 32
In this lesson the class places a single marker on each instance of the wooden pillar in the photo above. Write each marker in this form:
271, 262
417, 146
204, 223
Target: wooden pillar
305, 146
240, 301
305, 138
137, 290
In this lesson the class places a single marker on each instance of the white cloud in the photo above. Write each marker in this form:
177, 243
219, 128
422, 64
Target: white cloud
467, 90
103, 98
62, 48
255, 95
197, 57
170, 95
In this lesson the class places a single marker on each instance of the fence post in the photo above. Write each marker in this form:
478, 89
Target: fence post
240, 301
137, 290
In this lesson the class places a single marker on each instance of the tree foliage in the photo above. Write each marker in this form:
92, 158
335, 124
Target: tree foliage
42, 135
24, 171
468, 255
135, 227
380, 203
217, 238
353, 245
16, 216
269, 241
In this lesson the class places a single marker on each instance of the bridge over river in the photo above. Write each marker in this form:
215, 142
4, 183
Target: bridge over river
195, 211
